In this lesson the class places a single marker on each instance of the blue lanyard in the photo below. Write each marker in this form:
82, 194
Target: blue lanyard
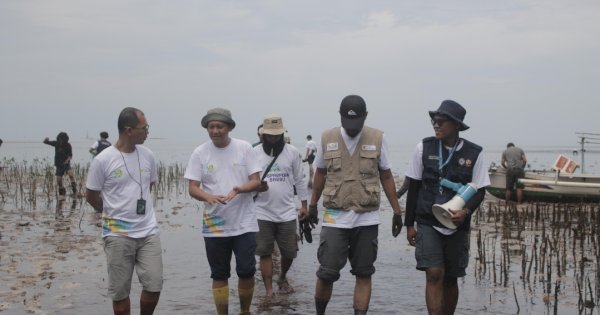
441, 162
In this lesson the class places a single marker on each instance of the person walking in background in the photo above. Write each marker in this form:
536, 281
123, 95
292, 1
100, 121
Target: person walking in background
514, 160
441, 252
275, 204
309, 156
119, 186
101, 144
259, 135
222, 173
352, 162
63, 153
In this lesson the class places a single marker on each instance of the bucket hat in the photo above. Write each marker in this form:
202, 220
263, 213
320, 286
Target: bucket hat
453, 110
218, 114
273, 125
353, 110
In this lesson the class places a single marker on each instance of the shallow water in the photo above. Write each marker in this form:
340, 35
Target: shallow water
52, 262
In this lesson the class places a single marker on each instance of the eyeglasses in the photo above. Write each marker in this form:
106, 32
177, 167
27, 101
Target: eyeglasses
145, 128
439, 121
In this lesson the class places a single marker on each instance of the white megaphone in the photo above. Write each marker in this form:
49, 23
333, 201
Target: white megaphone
463, 194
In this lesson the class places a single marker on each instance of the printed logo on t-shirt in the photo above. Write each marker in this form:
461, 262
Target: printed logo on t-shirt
210, 168
213, 224
118, 173
330, 215
115, 226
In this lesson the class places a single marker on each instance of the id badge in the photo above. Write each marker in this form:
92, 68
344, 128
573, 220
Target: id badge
141, 207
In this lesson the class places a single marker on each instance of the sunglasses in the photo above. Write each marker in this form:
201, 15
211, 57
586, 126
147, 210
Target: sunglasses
439, 121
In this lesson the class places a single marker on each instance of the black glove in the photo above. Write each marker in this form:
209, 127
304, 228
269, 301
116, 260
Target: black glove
396, 224
305, 230
313, 214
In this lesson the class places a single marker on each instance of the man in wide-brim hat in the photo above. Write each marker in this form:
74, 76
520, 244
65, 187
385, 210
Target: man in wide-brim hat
441, 252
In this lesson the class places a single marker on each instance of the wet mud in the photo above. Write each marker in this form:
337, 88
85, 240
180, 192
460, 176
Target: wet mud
536, 259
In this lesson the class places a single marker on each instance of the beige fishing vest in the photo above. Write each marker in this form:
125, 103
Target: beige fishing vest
352, 181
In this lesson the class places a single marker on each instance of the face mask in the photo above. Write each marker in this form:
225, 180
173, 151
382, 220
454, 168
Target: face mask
273, 149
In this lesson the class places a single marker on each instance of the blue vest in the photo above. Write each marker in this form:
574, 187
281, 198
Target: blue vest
459, 170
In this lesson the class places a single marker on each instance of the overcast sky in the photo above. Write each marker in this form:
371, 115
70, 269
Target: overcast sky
527, 71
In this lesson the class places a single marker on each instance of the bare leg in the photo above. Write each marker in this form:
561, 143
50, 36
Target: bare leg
72, 178
245, 292
266, 269
148, 302
434, 290
362, 294
450, 295
519, 195
284, 286
507, 196
122, 307
322, 295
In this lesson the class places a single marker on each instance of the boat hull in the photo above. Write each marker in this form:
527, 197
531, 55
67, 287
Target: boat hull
546, 187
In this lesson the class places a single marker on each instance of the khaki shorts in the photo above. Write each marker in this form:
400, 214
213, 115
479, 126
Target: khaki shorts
284, 233
125, 253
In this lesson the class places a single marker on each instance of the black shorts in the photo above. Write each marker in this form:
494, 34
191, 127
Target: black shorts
512, 178
62, 169
220, 249
311, 159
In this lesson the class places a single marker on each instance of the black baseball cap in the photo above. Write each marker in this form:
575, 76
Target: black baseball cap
353, 111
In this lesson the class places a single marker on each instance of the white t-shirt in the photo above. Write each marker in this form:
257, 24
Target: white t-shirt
311, 146
219, 170
277, 204
117, 175
350, 219
480, 178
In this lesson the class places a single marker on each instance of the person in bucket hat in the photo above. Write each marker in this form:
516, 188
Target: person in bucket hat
275, 204
441, 252
452, 110
223, 173
350, 166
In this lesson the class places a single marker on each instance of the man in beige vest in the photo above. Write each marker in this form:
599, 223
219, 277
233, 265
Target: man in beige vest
351, 164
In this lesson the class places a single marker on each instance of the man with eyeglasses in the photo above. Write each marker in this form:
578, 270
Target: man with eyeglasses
119, 186
441, 252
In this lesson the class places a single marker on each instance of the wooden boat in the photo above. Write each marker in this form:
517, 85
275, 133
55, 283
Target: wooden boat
546, 186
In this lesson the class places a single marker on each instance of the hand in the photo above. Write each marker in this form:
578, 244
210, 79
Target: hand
264, 186
313, 214
302, 213
458, 216
396, 224
212, 199
303, 161
411, 235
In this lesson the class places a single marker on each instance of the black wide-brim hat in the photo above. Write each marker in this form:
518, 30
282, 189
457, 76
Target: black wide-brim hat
453, 110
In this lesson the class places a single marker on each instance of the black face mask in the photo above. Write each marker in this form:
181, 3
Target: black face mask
273, 149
